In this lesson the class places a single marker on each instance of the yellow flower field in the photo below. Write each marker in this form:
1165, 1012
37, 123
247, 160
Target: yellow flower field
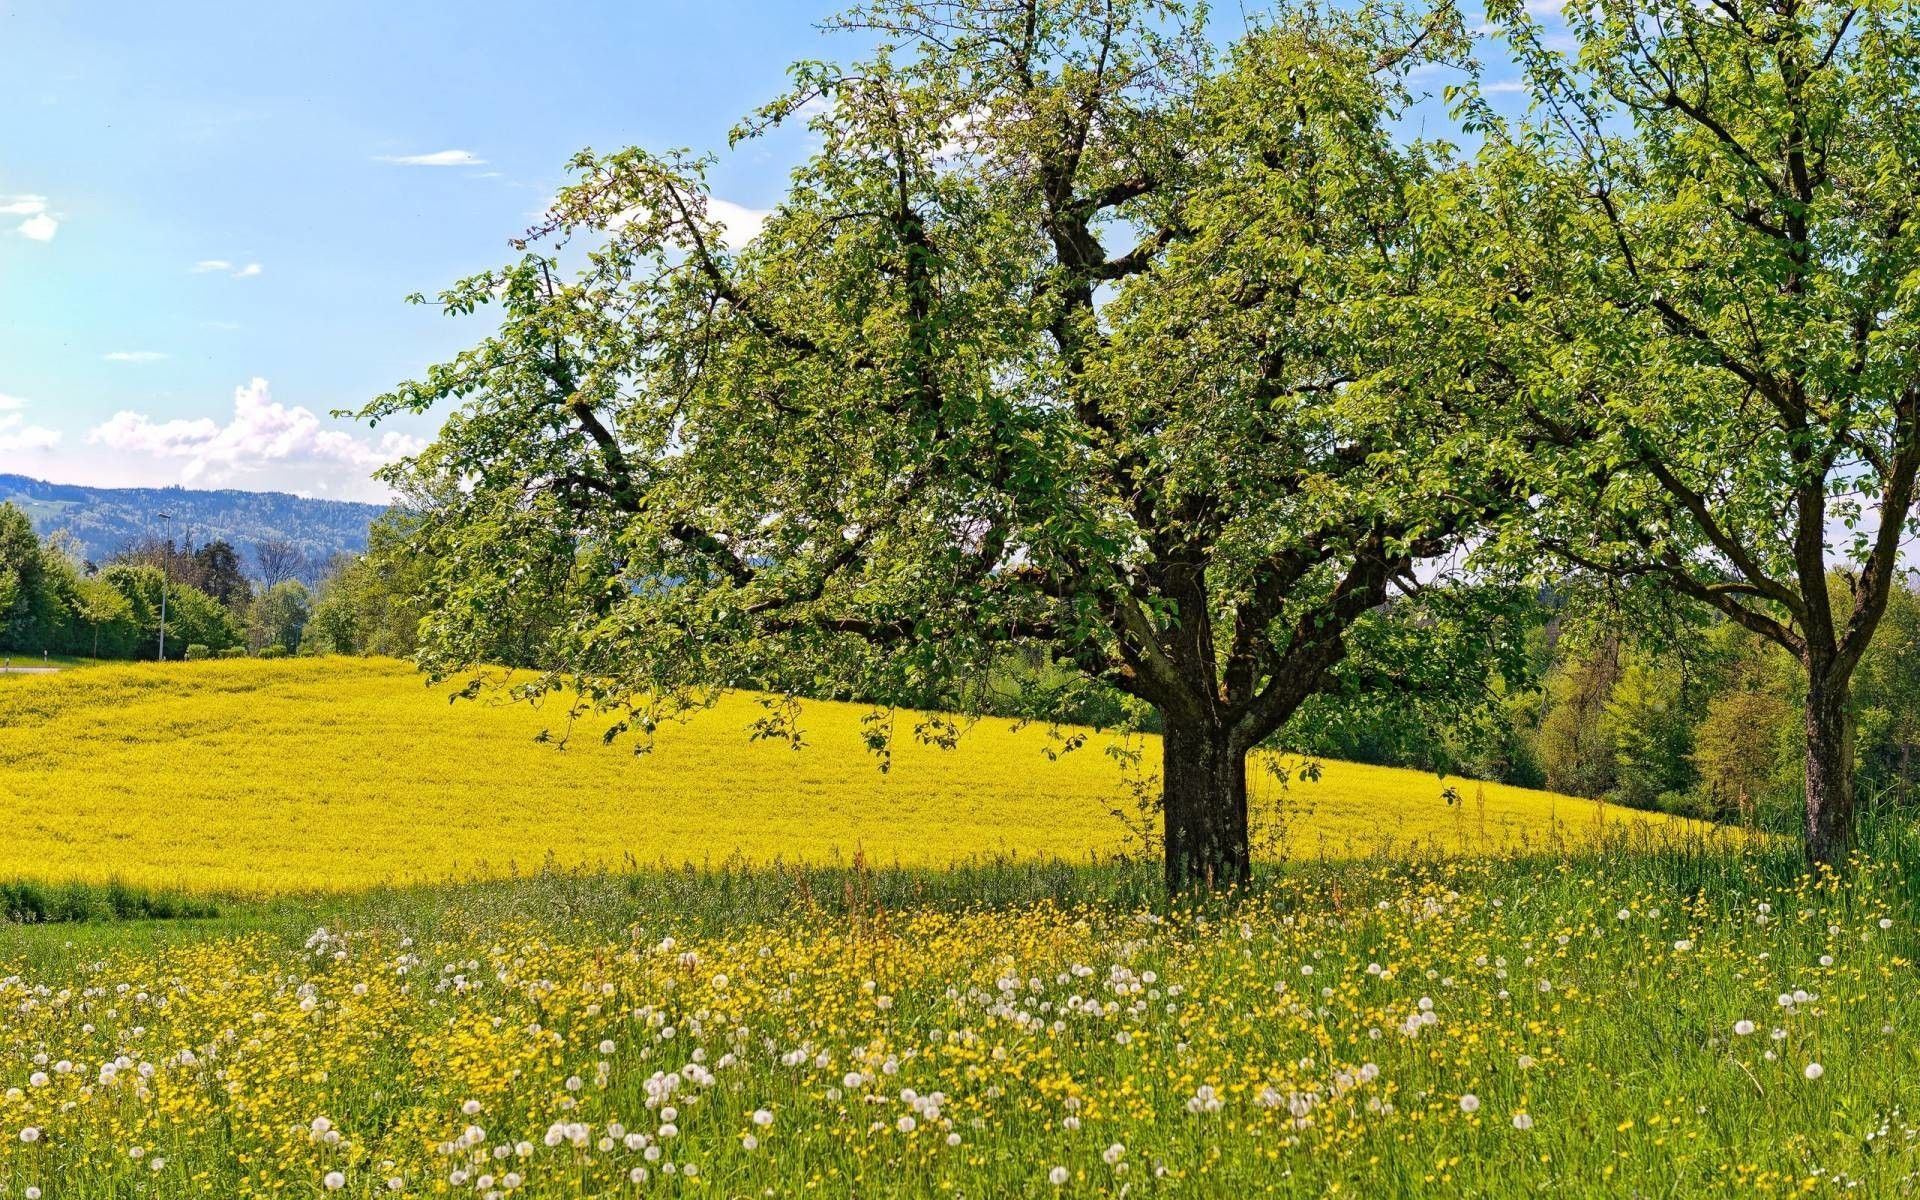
336, 774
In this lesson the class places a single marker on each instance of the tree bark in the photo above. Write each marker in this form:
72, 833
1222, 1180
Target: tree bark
1829, 767
1204, 780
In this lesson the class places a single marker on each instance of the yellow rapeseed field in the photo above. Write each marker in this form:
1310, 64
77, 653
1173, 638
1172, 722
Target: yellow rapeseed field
263, 777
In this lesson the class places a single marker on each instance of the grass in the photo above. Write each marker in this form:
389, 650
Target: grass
448, 960
255, 778
28, 902
64, 662
1566, 1024
436, 968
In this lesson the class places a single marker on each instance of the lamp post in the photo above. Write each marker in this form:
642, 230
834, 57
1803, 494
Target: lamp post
166, 573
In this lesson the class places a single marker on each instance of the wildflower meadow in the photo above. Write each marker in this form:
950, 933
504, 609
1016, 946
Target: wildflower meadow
1635, 1022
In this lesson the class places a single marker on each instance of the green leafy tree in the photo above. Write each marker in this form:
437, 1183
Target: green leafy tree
106, 616
1070, 337
217, 571
371, 603
279, 616
1575, 747
1649, 720
192, 616
334, 626
31, 611
1745, 741
1696, 271
1888, 698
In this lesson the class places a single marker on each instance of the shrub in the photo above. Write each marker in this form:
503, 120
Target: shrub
197, 652
275, 651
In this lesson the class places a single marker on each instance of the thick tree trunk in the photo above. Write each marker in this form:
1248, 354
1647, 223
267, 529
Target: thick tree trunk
1204, 776
1829, 761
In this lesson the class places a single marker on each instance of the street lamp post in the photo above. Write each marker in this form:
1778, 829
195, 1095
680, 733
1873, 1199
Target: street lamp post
166, 572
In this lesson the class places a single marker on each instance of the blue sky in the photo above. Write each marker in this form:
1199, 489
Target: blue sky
197, 197
210, 213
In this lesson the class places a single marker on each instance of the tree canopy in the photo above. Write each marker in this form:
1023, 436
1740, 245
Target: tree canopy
1074, 334
1693, 267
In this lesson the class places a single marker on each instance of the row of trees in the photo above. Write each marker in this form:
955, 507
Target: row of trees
1183, 365
53, 602
1700, 719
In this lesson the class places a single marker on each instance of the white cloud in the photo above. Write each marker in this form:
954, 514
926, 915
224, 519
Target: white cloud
1505, 87
439, 158
291, 445
40, 224
742, 224
133, 356
15, 434
208, 266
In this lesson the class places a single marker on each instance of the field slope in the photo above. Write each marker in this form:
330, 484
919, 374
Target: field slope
336, 774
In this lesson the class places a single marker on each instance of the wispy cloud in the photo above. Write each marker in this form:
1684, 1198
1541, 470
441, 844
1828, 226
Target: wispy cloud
40, 224
15, 434
208, 266
438, 158
133, 356
263, 435
1505, 87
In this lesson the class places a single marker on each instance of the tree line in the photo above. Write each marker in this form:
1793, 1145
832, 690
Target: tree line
54, 601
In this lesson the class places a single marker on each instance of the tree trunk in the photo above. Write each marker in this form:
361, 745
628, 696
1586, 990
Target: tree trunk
1204, 776
1829, 817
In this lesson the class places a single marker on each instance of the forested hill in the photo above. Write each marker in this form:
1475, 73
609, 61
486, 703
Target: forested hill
107, 519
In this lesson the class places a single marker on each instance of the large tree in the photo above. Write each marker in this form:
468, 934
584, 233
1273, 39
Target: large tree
1070, 335
278, 560
1698, 266
216, 570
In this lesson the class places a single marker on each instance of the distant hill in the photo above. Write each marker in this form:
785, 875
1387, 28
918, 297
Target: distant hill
108, 519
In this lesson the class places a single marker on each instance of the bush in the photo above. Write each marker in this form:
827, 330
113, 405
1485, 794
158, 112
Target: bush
1685, 804
275, 651
231, 652
196, 652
